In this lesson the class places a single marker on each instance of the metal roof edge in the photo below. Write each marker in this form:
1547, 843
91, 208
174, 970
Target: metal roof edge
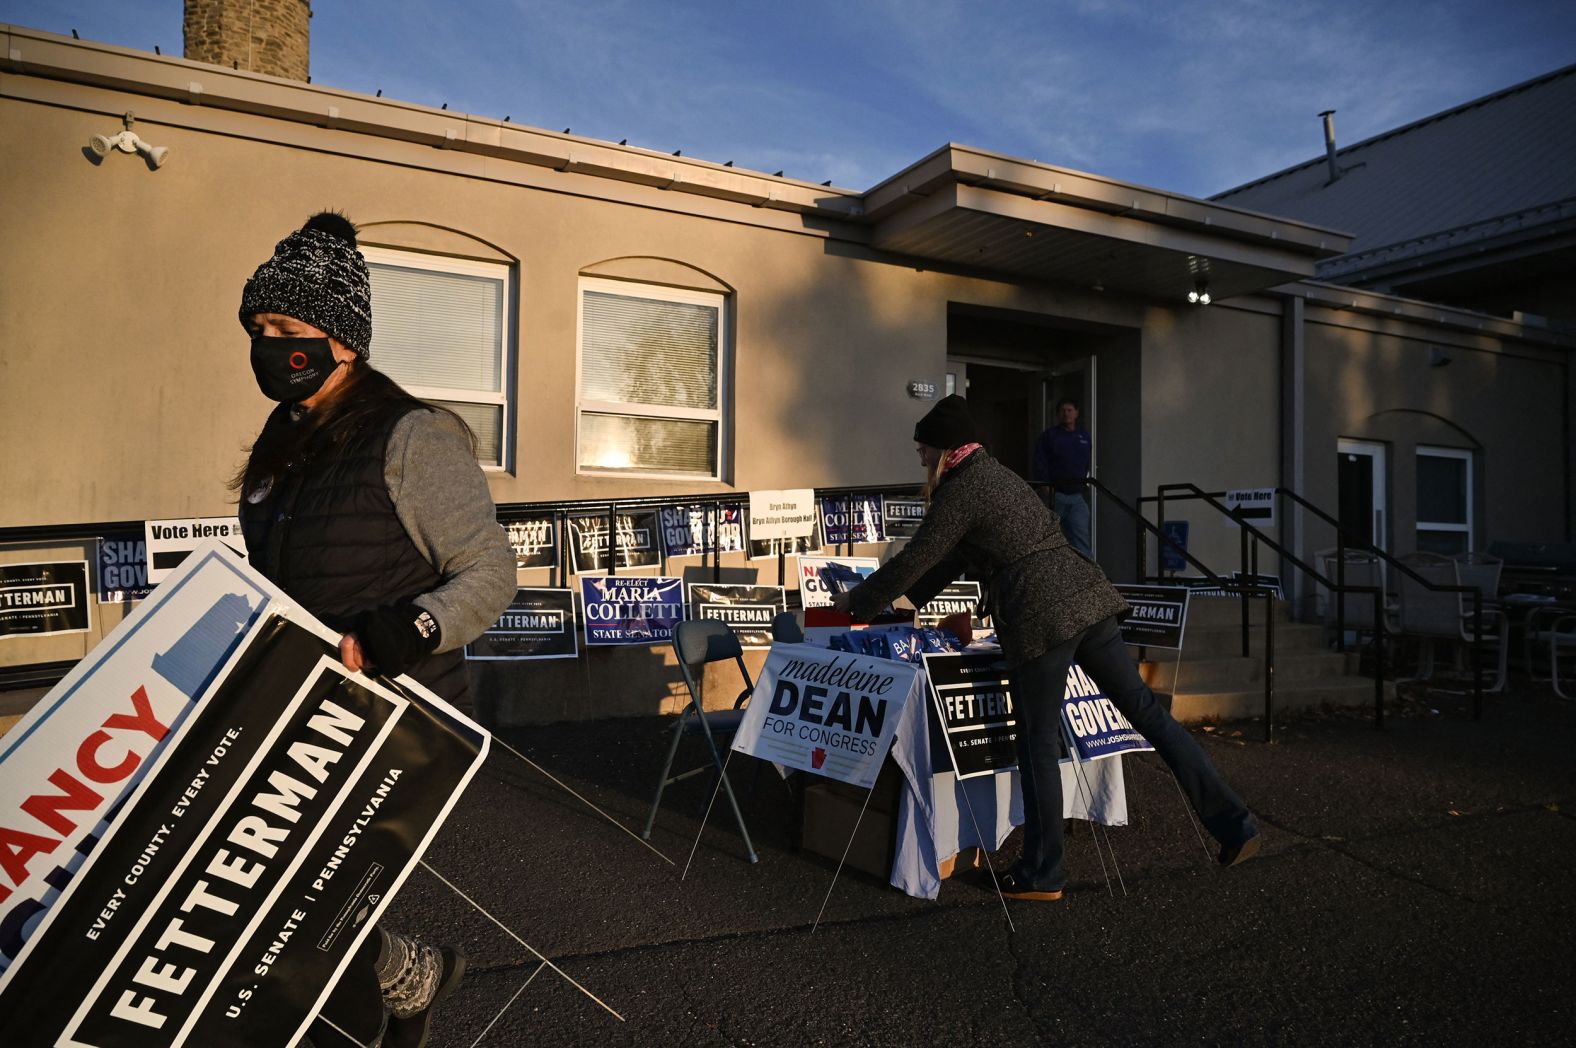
1443, 114
1384, 304
1467, 236
954, 163
36, 53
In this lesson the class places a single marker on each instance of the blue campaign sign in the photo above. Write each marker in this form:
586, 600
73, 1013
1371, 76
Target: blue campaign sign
867, 525
122, 570
694, 531
1171, 559
1094, 725
631, 609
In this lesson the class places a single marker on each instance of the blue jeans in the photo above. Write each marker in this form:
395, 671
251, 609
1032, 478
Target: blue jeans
1037, 689
1074, 513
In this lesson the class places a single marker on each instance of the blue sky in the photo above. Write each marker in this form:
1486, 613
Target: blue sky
1189, 96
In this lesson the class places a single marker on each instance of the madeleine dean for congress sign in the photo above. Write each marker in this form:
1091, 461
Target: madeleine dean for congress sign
828, 712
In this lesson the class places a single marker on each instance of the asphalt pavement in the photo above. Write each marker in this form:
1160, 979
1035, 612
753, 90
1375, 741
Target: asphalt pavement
1416, 887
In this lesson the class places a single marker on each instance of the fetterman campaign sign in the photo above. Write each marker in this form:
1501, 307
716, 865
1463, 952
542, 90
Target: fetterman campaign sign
68, 764
278, 819
973, 704
830, 712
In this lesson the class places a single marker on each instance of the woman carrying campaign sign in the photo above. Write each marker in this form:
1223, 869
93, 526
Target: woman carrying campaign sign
1051, 606
367, 506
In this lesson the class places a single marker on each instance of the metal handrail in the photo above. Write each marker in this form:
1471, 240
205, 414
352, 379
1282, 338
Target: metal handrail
558, 509
1245, 590
1339, 586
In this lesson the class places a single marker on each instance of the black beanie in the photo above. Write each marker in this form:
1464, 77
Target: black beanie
947, 425
317, 275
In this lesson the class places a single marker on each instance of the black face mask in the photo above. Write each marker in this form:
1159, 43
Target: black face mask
291, 369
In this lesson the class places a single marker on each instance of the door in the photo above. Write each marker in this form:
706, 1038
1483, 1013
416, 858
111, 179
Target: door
1361, 492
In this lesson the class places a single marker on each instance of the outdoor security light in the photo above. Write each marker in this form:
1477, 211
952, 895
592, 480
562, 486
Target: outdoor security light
1199, 296
128, 142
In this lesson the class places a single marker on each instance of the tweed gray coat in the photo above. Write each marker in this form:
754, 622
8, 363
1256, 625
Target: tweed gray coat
983, 517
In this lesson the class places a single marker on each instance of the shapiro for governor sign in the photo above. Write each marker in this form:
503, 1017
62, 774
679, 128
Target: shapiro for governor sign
234, 886
830, 712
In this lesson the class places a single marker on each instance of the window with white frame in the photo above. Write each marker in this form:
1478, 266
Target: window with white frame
440, 328
652, 382
1444, 500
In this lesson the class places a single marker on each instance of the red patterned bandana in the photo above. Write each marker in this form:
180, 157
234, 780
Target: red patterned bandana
959, 454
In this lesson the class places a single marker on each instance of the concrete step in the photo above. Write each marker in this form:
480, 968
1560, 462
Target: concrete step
1208, 642
1237, 673
1345, 692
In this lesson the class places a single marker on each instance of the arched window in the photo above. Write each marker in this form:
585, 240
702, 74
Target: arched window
652, 380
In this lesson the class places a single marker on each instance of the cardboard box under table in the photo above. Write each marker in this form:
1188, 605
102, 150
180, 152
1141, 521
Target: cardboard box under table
831, 811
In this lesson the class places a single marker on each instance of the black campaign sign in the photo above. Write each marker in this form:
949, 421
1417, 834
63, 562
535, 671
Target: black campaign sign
637, 541
749, 610
534, 541
1159, 615
226, 900
538, 624
973, 703
42, 599
956, 597
901, 514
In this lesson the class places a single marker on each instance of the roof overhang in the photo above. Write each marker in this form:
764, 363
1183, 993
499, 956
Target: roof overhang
968, 207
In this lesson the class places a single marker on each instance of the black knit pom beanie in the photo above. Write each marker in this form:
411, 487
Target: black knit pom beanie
318, 276
947, 425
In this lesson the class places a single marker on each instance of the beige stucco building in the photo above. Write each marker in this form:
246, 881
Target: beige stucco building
128, 395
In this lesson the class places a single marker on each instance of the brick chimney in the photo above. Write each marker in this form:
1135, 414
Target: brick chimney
264, 36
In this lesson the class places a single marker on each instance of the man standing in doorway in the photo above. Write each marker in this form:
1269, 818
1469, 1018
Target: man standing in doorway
1061, 458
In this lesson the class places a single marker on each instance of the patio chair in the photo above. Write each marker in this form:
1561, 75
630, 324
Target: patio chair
697, 643
1440, 615
1555, 628
1362, 569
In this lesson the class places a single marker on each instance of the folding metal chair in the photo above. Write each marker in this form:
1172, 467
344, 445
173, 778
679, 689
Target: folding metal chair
696, 643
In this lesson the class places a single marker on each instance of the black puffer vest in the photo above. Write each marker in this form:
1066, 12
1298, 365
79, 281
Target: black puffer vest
326, 533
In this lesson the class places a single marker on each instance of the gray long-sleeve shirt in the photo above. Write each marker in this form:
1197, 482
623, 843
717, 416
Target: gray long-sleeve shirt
440, 496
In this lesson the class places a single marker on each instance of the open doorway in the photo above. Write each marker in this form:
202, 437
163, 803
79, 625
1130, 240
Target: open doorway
1015, 367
